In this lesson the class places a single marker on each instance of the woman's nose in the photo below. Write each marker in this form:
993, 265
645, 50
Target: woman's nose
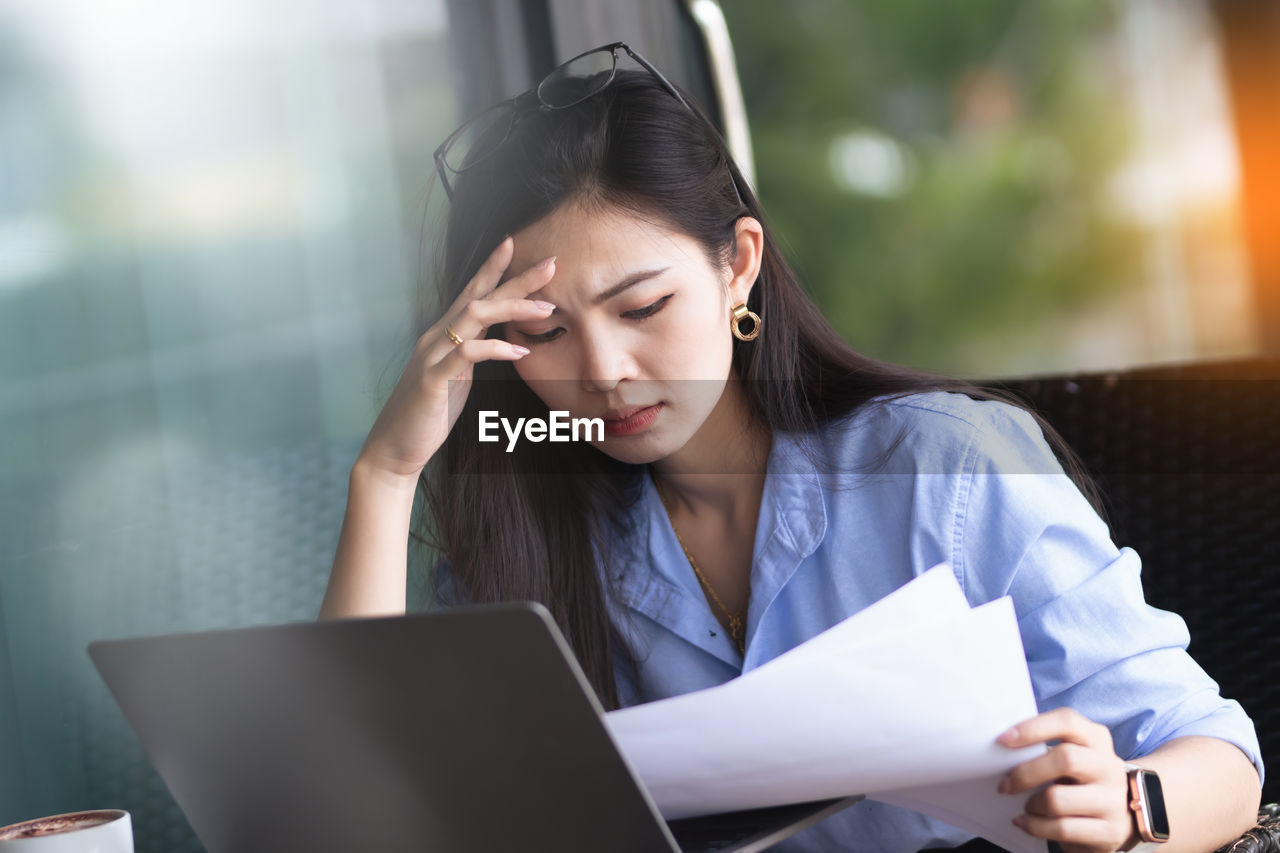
605, 361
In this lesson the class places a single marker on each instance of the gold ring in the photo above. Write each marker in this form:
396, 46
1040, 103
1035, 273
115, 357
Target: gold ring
452, 335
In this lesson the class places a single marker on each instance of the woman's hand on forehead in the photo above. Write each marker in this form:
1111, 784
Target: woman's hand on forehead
434, 386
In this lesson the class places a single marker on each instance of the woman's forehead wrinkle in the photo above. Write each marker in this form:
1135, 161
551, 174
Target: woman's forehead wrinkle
596, 249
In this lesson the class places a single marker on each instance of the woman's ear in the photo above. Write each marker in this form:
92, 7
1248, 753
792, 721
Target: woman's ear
745, 267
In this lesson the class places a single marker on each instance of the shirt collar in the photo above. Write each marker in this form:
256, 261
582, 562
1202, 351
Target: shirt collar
652, 574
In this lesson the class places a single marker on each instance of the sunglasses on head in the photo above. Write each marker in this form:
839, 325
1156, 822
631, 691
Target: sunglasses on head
568, 84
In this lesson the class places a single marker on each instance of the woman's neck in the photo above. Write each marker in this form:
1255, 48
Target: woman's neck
722, 467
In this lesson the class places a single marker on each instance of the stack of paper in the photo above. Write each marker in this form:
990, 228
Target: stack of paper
902, 701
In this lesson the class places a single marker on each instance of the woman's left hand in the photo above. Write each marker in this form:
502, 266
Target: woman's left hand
1085, 804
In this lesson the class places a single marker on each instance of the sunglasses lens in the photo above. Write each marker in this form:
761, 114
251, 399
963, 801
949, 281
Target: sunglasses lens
577, 80
479, 137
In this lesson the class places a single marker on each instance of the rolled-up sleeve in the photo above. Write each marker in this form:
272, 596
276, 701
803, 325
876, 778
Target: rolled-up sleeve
1091, 640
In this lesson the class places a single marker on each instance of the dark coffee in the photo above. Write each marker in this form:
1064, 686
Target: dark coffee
57, 824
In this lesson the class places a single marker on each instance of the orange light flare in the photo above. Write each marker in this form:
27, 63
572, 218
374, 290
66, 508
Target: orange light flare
1251, 35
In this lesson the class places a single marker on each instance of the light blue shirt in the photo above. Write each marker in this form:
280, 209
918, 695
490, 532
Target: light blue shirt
971, 483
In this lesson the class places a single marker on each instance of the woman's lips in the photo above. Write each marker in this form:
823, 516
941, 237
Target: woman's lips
638, 421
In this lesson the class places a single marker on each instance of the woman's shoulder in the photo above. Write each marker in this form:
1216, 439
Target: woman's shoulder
947, 427
942, 409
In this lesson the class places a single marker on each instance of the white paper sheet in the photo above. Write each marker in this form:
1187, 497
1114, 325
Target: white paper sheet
973, 805
906, 696
936, 593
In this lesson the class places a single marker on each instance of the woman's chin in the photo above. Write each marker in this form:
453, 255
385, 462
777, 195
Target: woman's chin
636, 449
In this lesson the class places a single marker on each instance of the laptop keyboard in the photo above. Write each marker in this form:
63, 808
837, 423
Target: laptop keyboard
718, 832
726, 831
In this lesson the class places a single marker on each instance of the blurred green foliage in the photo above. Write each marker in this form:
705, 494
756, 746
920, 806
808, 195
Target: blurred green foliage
1008, 125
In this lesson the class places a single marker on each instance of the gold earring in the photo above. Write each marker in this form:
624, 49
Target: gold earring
739, 312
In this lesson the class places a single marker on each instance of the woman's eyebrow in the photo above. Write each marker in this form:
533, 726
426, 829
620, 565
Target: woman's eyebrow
633, 279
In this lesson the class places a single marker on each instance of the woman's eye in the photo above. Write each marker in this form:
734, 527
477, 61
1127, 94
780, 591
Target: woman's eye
648, 310
543, 337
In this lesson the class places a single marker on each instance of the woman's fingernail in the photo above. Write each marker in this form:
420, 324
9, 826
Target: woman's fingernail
1020, 821
519, 350
1004, 786
546, 263
544, 306
1008, 737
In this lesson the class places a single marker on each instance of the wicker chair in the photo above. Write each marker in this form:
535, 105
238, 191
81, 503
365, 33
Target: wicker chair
1188, 464
1263, 838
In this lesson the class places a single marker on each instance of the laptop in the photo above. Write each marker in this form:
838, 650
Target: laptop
470, 729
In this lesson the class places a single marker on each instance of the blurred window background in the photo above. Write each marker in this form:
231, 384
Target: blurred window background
998, 188
210, 232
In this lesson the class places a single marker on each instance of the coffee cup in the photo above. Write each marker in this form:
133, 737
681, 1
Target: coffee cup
99, 831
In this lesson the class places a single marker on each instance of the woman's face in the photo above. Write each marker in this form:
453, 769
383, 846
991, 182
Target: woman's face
640, 335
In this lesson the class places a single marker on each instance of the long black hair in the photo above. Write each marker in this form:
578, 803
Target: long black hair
536, 525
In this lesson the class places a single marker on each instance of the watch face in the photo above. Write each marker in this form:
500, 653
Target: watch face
1153, 805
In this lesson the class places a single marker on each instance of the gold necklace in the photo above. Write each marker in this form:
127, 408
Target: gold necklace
737, 626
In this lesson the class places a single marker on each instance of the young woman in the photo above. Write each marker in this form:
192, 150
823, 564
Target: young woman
758, 480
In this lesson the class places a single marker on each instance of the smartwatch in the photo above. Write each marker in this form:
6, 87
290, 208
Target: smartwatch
1146, 801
